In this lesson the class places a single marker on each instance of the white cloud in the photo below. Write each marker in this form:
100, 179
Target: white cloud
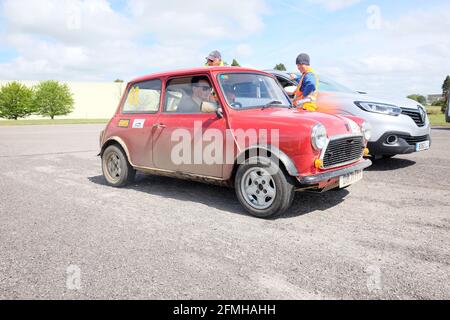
334, 5
70, 21
244, 50
88, 40
409, 54
386, 63
200, 19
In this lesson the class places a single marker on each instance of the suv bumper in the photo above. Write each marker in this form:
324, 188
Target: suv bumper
405, 143
330, 175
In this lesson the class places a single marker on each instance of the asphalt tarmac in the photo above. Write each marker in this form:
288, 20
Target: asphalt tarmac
64, 234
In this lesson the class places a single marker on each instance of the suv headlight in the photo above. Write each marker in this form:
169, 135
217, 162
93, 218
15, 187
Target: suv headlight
366, 129
319, 136
379, 108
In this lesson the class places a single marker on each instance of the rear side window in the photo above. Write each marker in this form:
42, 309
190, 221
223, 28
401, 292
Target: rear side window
143, 97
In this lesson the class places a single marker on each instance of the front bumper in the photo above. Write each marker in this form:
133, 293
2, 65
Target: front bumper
405, 144
330, 175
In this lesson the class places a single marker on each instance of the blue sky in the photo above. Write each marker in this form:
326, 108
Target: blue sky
392, 47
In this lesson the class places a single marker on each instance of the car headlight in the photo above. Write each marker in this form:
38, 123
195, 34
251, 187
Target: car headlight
319, 137
366, 129
379, 108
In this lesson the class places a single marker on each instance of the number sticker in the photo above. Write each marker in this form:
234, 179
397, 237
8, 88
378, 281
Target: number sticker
138, 123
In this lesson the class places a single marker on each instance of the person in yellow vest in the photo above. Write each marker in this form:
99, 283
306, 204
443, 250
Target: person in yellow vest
214, 59
308, 84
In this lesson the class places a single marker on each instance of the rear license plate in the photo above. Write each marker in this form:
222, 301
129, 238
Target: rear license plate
350, 178
421, 146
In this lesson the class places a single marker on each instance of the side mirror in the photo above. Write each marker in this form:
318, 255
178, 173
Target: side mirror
219, 113
290, 90
211, 107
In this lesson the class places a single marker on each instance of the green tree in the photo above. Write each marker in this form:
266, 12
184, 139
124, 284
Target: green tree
16, 101
439, 102
419, 98
53, 99
445, 92
234, 63
280, 67
118, 81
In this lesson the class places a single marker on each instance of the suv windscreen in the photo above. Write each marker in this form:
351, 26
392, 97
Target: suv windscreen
326, 84
251, 90
329, 85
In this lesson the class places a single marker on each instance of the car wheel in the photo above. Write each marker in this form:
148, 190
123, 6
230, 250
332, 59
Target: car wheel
115, 166
263, 189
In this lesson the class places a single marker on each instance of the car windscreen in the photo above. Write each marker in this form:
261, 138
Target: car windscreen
252, 90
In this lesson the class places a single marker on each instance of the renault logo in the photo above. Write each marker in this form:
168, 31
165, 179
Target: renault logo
423, 114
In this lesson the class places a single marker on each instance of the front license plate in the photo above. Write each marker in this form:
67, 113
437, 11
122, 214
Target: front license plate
350, 178
421, 146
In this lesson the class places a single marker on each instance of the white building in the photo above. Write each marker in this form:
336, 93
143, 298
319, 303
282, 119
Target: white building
93, 100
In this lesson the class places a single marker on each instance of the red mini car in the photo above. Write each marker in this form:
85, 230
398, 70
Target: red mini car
235, 127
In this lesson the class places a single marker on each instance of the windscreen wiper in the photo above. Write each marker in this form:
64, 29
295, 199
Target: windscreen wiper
273, 103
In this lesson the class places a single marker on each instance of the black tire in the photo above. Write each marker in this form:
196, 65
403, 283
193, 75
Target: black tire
115, 166
281, 182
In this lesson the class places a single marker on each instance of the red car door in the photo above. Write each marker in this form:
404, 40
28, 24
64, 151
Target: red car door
200, 132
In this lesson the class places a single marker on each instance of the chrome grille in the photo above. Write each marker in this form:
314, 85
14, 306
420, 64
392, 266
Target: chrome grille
415, 115
343, 151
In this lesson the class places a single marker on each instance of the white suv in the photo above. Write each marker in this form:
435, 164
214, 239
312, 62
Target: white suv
398, 126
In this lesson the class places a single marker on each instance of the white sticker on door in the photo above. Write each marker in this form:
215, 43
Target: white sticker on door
138, 123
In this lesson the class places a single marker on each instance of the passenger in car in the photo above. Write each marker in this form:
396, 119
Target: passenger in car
229, 92
201, 91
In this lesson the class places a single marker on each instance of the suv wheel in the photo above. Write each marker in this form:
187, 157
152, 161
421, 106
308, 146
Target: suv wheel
116, 169
263, 188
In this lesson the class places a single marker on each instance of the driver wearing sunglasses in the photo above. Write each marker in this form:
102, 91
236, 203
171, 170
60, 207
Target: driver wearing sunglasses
201, 91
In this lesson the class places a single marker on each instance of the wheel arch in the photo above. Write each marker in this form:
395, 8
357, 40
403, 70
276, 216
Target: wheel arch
268, 150
115, 141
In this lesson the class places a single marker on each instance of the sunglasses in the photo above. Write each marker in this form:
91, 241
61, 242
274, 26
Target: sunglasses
204, 88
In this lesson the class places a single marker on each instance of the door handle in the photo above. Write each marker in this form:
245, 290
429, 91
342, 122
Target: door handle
159, 125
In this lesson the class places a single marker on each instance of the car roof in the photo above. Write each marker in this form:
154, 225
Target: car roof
278, 72
182, 72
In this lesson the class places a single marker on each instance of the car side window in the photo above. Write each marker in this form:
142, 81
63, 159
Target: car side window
285, 82
185, 95
143, 97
